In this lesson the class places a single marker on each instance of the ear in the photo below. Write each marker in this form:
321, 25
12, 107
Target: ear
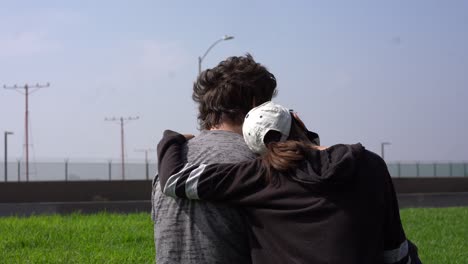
253, 102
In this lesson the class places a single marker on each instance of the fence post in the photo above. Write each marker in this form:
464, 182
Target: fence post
147, 170
450, 169
110, 169
399, 169
19, 170
434, 166
417, 169
66, 170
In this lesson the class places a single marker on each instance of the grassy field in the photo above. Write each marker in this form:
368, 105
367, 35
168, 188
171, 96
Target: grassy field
441, 235
100, 238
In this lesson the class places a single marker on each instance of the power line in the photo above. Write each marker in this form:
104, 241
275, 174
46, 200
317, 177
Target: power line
122, 121
27, 91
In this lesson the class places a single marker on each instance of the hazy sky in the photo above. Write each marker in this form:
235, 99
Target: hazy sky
356, 71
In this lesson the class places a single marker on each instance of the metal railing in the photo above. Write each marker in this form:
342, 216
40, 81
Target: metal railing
109, 171
77, 171
434, 170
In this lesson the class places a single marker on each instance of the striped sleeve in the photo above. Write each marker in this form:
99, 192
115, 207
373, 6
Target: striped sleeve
234, 183
398, 255
184, 183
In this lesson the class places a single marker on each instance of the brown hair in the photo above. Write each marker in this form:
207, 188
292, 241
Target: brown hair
285, 156
228, 91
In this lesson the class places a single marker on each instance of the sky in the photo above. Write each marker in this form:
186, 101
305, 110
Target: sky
355, 71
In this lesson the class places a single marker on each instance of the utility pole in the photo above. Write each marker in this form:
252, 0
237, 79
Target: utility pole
146, 159
122, 121
26, 88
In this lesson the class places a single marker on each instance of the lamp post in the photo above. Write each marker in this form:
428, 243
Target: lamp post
382, 145
6, 154
200, 59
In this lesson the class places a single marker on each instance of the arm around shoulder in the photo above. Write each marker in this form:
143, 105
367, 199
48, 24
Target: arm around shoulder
170, 155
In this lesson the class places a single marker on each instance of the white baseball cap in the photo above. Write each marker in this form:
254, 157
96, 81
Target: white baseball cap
263, 118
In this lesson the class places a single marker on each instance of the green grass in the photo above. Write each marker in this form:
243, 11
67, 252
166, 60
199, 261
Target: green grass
99, 238
441, 235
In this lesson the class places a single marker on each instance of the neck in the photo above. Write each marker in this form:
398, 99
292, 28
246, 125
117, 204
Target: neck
228, 127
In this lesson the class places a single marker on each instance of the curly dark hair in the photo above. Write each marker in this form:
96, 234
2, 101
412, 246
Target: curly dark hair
229, 90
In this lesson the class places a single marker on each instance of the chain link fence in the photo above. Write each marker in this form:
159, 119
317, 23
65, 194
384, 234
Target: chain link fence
436, 169
109, 171
76, 171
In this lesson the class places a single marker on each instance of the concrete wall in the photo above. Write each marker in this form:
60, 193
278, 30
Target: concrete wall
24, 199
80, 191
430, 185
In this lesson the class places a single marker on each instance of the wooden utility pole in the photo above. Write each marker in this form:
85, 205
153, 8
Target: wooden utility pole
26, 92
122, 121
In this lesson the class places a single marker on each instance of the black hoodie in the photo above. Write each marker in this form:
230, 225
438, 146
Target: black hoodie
339, 206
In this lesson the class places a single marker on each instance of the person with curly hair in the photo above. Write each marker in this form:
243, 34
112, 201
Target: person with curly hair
188, 231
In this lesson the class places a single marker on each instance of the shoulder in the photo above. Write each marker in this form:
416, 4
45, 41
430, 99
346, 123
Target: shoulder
217, 136
374, 159
217, 146
374, 168
364, 157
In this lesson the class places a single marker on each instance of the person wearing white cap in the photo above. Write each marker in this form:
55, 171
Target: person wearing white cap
305, 203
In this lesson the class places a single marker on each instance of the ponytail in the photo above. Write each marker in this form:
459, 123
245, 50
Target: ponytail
283, 157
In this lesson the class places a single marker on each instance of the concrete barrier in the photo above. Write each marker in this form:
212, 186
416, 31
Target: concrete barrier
431, 185
74, 191
80, 191
27, 198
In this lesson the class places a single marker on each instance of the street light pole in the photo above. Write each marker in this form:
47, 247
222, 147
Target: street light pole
382, 146
200, 59
6, 154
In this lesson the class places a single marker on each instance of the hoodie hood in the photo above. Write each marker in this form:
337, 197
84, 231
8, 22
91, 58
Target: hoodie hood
335, 165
